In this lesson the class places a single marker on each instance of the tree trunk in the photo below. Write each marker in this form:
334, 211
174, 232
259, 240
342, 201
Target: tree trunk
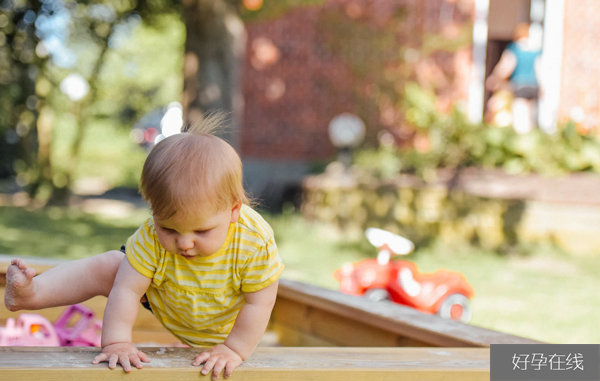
214, 53
61, 194
44, 140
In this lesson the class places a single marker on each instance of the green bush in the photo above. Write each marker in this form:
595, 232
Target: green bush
453, 142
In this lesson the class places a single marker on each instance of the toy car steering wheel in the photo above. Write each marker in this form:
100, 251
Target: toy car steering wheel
398, 245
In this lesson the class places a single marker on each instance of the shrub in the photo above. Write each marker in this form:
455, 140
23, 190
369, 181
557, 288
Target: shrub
449, 140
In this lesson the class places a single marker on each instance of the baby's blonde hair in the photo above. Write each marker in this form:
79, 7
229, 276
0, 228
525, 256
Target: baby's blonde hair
193, 169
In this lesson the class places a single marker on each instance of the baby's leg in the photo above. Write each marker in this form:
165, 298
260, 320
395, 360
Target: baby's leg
70, 283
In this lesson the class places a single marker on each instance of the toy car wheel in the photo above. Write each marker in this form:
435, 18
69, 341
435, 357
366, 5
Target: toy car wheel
456, 307
377, 294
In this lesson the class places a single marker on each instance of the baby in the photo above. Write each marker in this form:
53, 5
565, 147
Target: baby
205, 263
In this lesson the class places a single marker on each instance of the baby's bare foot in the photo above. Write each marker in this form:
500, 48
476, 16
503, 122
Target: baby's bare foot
19, 285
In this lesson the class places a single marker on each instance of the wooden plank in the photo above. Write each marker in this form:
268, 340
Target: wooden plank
290, 337
291, 313
391, 317
349, 332
145, 320
330, 316
310, 323
266, 364
146, 329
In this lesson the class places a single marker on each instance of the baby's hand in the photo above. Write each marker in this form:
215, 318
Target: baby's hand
218, 358
123, 353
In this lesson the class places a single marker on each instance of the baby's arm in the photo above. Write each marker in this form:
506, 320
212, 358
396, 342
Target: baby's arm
247, 330
252, 320
119, 317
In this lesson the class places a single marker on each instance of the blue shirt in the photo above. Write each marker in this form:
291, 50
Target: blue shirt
524, 73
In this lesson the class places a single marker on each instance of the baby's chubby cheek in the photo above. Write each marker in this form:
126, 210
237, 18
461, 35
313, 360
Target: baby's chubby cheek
205, 249
166, 243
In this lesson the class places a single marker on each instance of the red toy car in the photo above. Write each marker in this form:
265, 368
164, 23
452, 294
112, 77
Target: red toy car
445, 293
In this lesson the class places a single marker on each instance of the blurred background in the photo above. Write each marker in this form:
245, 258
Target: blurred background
470, 127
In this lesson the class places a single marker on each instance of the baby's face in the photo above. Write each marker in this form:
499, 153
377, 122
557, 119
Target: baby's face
195, 234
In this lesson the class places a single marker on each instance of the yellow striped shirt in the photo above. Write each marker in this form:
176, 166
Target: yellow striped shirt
198, 299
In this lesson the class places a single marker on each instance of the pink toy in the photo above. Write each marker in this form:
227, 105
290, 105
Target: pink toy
30, 330
85, 332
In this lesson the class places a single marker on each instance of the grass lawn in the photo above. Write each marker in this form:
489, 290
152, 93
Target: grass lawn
544, 296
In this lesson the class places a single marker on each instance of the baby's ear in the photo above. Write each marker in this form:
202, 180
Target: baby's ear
235, 211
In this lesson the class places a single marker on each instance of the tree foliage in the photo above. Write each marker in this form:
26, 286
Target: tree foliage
43, 42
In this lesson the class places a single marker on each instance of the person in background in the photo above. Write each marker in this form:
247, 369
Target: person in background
520, 64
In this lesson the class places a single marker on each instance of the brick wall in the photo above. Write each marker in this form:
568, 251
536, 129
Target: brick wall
580, 82
294, 85
291, 88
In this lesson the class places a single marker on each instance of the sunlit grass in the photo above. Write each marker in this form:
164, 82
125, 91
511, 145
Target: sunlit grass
546, 296
63, 233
